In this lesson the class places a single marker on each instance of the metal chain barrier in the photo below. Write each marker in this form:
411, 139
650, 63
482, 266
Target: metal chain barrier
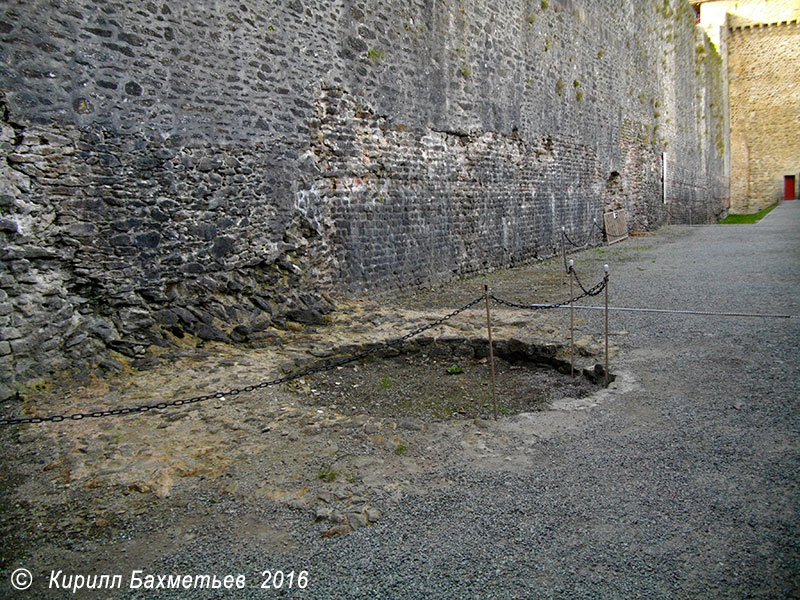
327, 366
566, 237
600, 229
593, 291
586, 240
632, 227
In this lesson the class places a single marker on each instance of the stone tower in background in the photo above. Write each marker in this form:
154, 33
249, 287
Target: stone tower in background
761, 41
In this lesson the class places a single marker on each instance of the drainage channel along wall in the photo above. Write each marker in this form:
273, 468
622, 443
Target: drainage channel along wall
211, 168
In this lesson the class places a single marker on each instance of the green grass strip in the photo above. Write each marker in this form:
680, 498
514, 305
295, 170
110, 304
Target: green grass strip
734, 219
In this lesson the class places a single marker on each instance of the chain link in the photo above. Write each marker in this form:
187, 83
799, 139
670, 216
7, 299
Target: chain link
566, 239
599, 287
585, 242
593, 291
600, 229
327, 366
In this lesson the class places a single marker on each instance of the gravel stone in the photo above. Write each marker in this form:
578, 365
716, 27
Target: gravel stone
678, 481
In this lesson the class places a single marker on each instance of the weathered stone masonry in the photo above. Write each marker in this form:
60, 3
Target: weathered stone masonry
765, 103
210, 168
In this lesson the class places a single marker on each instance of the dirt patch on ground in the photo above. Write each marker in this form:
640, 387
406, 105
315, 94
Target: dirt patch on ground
439, 382
335, 449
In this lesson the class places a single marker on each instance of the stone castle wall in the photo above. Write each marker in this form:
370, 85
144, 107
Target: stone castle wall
211, 168
764, 66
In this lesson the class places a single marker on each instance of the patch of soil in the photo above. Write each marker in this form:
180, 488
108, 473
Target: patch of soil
434, 384
324, 455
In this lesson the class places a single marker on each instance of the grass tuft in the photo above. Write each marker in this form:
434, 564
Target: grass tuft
327, 474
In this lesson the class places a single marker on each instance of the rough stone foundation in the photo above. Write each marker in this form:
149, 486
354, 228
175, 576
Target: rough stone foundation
209, 168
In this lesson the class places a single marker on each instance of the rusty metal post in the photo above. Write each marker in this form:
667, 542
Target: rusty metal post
491, 351
571, 320
606, 310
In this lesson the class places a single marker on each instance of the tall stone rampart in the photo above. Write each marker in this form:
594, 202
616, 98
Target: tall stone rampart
211, 167
764, 65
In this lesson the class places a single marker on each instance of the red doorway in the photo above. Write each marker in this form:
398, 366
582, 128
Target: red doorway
788, 187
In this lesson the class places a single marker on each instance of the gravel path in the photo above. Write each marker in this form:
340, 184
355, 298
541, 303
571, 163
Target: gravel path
680, 482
